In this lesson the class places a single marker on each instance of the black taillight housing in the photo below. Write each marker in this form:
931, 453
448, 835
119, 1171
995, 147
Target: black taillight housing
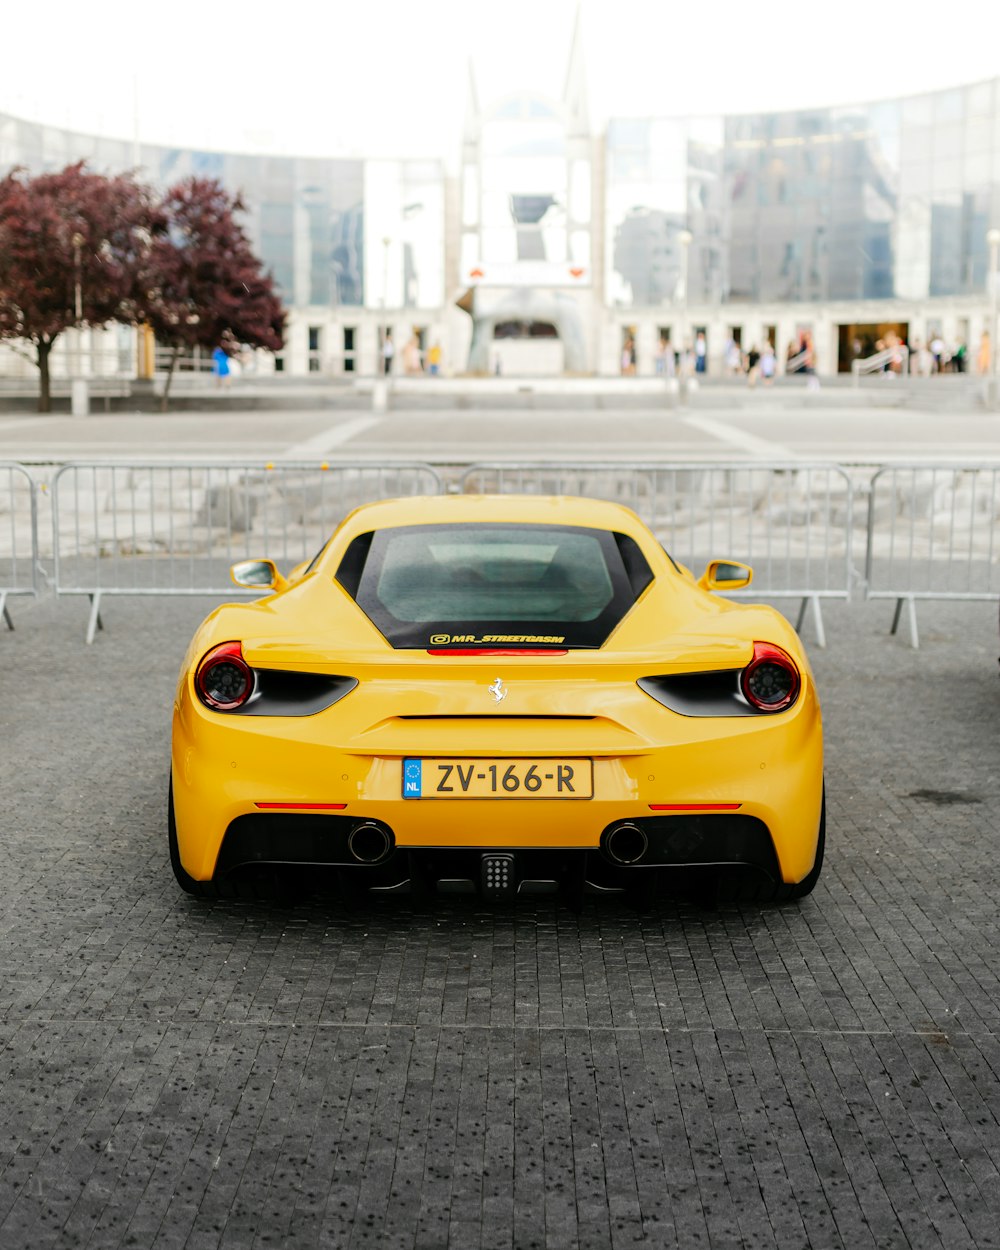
224, 681
771, 681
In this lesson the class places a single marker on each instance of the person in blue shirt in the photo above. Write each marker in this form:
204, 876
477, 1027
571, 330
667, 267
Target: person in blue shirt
220, 366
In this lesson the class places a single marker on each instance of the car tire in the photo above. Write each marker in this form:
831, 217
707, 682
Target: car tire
259, 886
756, 888
808, 883
783, 892
201, 889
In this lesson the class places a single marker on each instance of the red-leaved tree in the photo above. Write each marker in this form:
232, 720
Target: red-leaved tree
73, 250
206, 288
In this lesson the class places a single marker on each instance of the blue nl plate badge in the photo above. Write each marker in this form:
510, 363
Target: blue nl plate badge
412, 779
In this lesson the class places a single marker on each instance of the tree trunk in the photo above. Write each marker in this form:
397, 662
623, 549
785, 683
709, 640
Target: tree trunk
164, 398
44, 388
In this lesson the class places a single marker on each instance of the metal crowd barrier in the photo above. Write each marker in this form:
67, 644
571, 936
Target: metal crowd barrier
18, 536
933, 533
175, 528
792, 522
161, 528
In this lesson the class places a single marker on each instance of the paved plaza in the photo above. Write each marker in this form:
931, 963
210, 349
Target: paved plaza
176, 1073
462, 421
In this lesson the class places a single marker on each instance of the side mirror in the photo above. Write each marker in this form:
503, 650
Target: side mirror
257, 574
725, 575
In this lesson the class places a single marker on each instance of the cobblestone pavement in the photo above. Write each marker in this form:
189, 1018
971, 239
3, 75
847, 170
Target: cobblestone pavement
822, 1074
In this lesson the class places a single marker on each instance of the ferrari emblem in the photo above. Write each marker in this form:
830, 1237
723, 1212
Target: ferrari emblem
498, 690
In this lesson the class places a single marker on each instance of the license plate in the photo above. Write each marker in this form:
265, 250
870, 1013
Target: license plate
498, 779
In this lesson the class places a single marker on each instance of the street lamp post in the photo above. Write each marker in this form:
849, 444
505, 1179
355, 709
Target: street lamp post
79, 394
685, 239
386, 244
380, 389
993, 239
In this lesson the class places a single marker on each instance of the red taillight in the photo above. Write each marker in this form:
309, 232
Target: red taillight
770, 682
224, 680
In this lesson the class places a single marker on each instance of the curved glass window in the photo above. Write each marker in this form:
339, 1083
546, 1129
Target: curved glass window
494, 584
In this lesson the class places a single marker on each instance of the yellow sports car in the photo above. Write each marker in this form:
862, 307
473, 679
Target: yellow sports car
502, 694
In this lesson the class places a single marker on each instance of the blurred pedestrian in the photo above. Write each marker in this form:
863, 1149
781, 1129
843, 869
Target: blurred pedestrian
809, 365
768, 364
411, 356
220, 366
984, 361
894, 346
628, 357
660, 356
434, 360
700, 353
388, 352
920, 359
753, 365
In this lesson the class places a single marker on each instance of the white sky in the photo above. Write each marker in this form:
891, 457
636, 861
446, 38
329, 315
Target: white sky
336, 77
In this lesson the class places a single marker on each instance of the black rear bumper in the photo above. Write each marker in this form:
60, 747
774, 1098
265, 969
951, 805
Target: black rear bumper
670, 842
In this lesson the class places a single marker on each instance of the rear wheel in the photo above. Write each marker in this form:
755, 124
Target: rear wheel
254, 884
808, 883
201, 889
757, 888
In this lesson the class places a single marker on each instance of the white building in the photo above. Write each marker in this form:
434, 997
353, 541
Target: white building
557, 249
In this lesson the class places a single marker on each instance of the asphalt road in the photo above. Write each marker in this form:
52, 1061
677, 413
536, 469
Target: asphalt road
175, 1073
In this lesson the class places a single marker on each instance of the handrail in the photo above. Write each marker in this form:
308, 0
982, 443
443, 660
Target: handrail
875, 364
795, 363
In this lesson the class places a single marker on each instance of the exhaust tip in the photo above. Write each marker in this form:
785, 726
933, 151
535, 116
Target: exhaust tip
370, 843
626, 843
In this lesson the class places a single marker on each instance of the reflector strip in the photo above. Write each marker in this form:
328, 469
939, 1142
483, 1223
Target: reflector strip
496, 651
304, 807
695, 807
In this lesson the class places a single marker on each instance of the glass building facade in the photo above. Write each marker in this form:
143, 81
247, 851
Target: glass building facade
771, 217
888, 200
304, 216
878, 201
664, 177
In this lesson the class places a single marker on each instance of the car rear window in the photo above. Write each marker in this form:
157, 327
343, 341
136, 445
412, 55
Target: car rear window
503, 585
